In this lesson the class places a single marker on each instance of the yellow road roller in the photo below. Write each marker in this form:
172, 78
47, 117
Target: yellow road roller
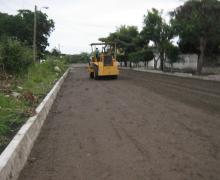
103, 61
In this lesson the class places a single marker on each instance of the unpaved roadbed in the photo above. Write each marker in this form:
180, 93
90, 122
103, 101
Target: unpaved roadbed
141, 126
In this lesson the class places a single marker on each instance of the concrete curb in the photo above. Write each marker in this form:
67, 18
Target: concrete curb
14, 157
184, 75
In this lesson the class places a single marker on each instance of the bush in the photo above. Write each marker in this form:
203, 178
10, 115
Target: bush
15, 56
172, 53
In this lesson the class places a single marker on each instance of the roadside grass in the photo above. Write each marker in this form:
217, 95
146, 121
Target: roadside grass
32, 87
41, 77
11, 117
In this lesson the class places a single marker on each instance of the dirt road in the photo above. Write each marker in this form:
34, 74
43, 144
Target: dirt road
142, 126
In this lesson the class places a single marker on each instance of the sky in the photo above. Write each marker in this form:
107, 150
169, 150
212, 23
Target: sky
81, 22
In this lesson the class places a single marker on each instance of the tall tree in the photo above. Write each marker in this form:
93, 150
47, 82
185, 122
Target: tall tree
158, 31
197, 22
44, 27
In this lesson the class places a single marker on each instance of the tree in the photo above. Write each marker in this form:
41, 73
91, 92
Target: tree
156, 30
145, 56
148, 56
197, 21
10, 25
136, 57
172, 53
44, 28
187, 46
126, 37
55, 52
20, 27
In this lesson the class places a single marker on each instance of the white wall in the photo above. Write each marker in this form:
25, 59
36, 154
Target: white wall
188, 61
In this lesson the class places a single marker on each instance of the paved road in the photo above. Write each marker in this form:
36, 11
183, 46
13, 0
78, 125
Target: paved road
142, 126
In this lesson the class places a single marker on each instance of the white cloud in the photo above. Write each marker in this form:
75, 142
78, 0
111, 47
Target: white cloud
80, 22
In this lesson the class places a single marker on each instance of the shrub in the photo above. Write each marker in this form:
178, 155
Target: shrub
172, 53
15, 56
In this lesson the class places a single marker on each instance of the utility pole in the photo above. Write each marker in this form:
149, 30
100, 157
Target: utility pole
59, 47
35, 32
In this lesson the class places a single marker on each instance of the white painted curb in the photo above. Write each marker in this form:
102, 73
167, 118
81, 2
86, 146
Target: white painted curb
14, 157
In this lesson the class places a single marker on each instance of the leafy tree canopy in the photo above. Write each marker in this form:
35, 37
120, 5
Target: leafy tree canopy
20, 26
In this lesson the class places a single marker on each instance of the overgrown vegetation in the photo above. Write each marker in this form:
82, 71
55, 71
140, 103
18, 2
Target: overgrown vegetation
15, 57
24, 83
20, 95
12, 115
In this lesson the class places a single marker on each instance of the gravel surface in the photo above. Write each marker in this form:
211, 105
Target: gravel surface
143, 126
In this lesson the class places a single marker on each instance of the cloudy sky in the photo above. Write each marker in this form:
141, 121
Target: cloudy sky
81, 22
